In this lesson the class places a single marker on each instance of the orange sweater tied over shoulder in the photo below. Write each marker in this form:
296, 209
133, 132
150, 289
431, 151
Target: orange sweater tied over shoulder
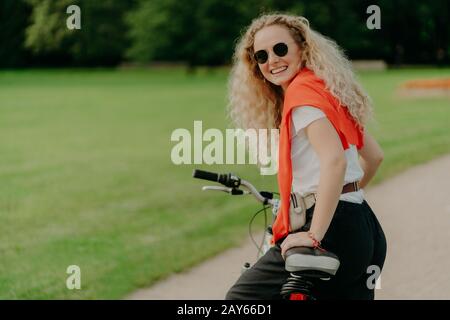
306, 89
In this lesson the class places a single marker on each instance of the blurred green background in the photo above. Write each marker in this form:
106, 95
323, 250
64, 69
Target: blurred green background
33, 32
86, 174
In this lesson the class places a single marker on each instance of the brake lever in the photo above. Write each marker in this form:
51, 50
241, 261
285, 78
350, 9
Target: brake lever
231, 191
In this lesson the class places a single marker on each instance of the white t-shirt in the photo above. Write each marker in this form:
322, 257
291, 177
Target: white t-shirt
305, 161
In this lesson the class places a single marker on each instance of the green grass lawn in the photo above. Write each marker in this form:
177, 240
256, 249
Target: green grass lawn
87, 179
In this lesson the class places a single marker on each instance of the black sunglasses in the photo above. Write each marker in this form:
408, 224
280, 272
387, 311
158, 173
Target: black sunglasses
280, 49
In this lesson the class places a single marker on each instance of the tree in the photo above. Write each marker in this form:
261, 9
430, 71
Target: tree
101, 40
13, 21
196, 32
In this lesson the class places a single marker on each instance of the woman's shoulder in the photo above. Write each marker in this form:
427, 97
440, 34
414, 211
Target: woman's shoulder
302, 116
306, 112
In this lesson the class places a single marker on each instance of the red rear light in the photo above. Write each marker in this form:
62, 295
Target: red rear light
298, 296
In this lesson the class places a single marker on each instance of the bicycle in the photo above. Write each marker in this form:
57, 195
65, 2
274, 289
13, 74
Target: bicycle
305, 264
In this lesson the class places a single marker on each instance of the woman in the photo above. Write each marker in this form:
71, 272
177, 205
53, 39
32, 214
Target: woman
287, 76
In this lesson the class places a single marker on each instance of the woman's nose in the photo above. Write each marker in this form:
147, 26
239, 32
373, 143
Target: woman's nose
273, 58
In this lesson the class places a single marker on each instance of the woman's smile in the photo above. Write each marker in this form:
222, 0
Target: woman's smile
278, 70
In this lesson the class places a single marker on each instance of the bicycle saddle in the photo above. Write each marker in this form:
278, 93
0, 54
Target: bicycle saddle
313, 260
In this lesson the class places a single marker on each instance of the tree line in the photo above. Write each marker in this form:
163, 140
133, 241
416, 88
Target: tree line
204, 32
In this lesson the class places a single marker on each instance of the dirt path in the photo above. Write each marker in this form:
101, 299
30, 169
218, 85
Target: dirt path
414, 210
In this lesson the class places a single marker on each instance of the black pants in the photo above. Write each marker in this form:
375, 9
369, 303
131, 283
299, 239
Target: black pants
354, 235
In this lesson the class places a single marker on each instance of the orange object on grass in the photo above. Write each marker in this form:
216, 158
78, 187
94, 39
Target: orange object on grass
428, 84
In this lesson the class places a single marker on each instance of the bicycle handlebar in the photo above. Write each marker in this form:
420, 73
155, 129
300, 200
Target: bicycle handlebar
232, 181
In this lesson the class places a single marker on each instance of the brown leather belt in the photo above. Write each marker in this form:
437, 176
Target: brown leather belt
351, 187
310, 199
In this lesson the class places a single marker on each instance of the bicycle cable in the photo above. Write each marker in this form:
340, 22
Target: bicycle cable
265, 226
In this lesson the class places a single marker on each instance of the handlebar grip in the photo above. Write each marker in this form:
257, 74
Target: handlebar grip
205, 175
228, 180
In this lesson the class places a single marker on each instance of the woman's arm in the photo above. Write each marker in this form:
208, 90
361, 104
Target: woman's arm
371, 158
326, 143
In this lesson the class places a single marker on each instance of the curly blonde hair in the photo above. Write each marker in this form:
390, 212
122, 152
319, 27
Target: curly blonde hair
257, 103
